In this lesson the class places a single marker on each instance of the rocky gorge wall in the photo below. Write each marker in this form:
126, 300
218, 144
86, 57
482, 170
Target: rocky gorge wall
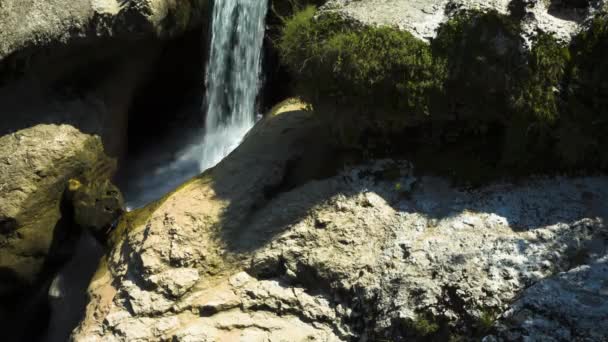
347, 213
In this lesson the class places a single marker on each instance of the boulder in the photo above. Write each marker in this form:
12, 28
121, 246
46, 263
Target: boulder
572, 305
276, 244
97, 204
35, 24
35, 220
422, 18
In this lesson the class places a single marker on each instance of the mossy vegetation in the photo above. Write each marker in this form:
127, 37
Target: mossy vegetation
140, 217
474, 87
582, 135
423, 326
380, 69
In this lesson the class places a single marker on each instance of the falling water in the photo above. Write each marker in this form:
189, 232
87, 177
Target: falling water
232, 83
233, 75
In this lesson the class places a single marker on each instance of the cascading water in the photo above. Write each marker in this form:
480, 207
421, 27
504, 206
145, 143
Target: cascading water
232, 85
233, 75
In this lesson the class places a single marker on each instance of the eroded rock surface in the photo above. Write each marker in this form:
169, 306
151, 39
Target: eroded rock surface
35, 166
572, 306
31, 23
257, 250
422, 17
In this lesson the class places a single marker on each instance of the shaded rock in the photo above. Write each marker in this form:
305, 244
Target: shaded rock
104, 54
35, 166
97, 204
570, 306
422, 18
27, 24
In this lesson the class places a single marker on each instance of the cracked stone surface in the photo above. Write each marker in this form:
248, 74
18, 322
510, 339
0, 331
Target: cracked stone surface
237, 255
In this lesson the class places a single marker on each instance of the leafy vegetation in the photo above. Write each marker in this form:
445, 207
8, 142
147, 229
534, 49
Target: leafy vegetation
547, 105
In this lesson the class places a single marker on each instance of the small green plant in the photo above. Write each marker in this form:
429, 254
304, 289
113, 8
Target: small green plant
423, 326
486, 321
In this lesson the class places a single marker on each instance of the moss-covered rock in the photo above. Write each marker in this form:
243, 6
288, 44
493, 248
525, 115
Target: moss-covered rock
364, 70
35, 220
97, 204
478, 79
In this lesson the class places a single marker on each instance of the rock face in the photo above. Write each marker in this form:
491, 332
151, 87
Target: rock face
25, 24
104, 54
422, 17
570, 306
35, 166
97, 205
258, 250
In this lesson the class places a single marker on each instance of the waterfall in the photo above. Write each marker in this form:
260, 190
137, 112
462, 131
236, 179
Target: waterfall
232, 83
233, 75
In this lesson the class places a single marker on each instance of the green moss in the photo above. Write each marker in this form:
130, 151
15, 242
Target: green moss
422, 326
484, 62
337, 61
536, 104
541, 108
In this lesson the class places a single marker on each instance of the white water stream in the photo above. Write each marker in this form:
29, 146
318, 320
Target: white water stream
232, 85
233, 76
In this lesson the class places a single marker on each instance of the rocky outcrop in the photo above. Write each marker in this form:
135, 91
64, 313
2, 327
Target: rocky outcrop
441, 261
104, 54
27, 24
263, 248
55, 190
422, 18
35, 166
172, 257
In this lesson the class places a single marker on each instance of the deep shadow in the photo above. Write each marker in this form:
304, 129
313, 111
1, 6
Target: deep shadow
269, 182
571, 10
25, 306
